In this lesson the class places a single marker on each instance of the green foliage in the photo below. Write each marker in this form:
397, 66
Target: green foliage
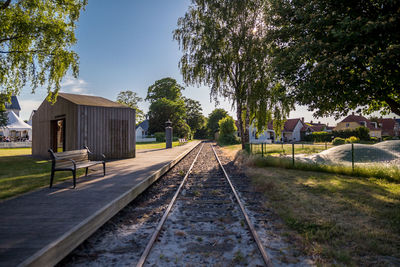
36, 41
223, 47
352, 139
160, 136
336, 56
319, 137
227, 129
338, 141
3, 114
361, 132
212, 123
167, 104
374, 139
194, 116
131, 99
165, 88
386, 138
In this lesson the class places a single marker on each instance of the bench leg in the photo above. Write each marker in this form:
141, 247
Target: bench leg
74, 177
104, 169
51, 178
86, 172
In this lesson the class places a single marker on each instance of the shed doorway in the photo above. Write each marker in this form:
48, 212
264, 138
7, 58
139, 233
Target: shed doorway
58, 135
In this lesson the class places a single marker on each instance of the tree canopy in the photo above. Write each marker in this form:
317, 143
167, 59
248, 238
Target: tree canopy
335, 56
36, 40
166, 103
212, 123
131, 99
223, 47
194, 116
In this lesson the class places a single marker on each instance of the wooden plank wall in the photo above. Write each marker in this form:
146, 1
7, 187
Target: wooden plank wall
110, 131
41, 139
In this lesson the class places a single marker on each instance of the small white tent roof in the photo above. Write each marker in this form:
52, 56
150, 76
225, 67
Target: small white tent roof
15, 122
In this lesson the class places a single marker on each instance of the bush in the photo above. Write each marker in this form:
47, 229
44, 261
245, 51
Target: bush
361, 132
321, 137
338, 141
374, 139
352, 139
175, 138
227, 129
387, 138
160, 136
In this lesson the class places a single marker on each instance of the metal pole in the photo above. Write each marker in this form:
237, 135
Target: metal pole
251, 148
326, 145
262, 150
352, 156
293, 154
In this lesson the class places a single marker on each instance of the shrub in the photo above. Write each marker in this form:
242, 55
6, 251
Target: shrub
160, 136
386, 138
227, 129
361, 132
374, 139
352, 139
321, 137
338, 141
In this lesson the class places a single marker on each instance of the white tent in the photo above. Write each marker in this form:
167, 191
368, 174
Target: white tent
16, 127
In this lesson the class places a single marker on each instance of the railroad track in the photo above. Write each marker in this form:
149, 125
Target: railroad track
205, 223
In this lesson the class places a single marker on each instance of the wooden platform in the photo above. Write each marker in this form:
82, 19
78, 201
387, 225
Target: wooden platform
42, 227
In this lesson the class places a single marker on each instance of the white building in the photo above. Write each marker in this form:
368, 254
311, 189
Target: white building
291, 132
16, 129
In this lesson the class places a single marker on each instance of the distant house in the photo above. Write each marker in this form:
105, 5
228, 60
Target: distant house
353, 121
30, 117
16, 129
389, 126
142, 130
310, 127
75, 121
291, 132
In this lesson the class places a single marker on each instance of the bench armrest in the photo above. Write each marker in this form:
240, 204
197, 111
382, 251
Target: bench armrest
91, 153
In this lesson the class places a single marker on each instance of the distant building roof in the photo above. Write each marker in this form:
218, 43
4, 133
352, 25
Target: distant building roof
359, 119
14, 103
88, 100
145, 125
290, 124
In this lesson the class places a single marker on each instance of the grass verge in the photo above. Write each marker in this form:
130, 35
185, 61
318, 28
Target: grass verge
154, 145
390, 173
339, 220
20, 173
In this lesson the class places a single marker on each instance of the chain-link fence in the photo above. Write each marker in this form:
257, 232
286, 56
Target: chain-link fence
384, 154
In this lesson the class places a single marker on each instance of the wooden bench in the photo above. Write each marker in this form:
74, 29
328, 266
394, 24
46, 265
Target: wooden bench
182, 141
71, 161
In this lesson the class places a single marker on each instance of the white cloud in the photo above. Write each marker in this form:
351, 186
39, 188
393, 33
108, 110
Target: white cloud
27, 106
72, 85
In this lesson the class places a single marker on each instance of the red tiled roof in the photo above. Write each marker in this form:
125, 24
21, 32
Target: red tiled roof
290, 124
387, 126
359, 119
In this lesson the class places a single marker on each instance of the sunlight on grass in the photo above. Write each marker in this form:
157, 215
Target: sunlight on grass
339, 218
154, 145
4, 152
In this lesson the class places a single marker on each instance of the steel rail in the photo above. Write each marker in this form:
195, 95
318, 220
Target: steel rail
264, 254
165, 215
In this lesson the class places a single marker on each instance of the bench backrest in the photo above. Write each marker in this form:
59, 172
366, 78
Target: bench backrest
76, 155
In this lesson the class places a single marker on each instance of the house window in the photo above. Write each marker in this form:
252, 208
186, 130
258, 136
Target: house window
372, 134
347, 125
142, 132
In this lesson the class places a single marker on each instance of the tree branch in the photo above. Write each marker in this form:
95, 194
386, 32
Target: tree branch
30, 51
5, 5
394, 106
10, 38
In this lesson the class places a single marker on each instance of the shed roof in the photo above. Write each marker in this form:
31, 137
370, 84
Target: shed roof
89, 100
14, 103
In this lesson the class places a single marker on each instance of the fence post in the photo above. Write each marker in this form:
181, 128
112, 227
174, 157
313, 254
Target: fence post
293, 154
251, 148
302, 145
283, 150
262, 150
326, 145
352, 156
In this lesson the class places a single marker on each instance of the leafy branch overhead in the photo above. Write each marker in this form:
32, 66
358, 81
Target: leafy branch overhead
36, 40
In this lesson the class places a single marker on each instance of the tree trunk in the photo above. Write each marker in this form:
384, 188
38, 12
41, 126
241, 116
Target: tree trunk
240, 122
247, 124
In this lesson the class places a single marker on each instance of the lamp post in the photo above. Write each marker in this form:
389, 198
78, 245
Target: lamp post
168, 134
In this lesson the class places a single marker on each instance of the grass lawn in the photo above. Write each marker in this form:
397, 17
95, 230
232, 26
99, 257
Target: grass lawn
277, 149
338, 219
20, 173
154, 145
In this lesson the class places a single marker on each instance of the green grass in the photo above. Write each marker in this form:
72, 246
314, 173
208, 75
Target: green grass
21, 173
154, 145
339, 220
390, 173
286, 149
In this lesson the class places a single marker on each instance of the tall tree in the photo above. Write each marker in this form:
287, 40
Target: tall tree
336, 56
194, 116
223, 47
131, 99
166, 103
212, 123
3, 114
36, 40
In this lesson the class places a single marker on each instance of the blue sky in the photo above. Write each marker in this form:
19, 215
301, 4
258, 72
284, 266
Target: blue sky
128, 45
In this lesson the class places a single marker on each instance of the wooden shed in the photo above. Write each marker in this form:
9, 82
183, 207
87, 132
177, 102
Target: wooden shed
75, 121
